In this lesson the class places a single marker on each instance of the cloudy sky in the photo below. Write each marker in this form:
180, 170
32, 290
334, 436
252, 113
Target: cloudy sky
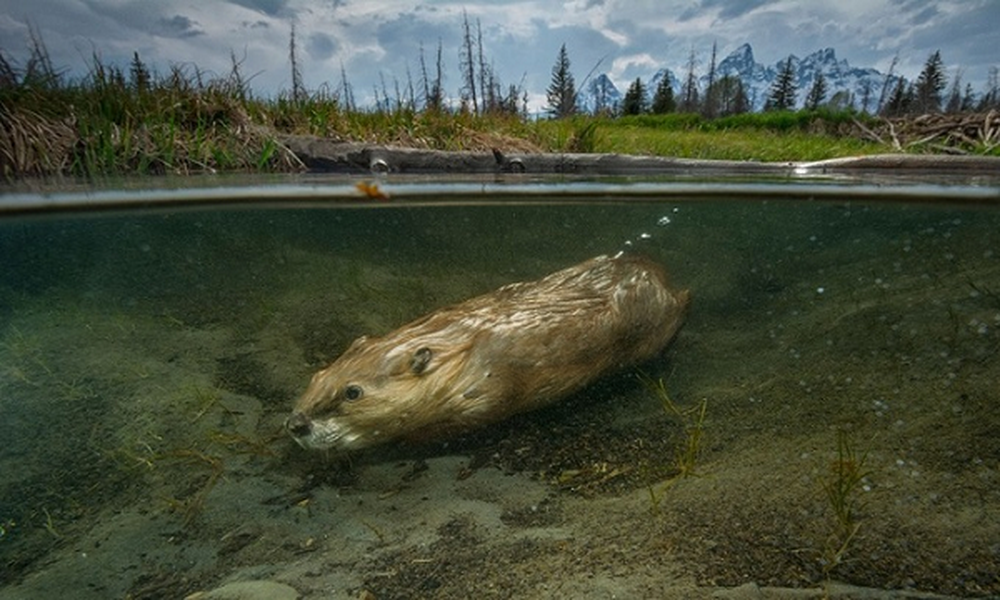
521, 38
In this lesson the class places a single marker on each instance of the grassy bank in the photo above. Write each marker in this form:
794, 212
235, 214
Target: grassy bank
777, 136
119, 121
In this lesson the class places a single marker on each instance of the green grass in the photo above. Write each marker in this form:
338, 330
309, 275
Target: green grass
114, 121
783, 136
421, 129
117, 121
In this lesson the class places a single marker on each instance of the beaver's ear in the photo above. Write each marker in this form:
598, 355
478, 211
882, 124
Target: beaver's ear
420, 359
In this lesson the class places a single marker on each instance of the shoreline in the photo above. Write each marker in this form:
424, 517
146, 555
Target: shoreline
323, 155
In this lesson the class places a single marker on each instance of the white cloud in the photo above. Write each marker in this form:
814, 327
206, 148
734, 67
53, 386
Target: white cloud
624, 67
521, 37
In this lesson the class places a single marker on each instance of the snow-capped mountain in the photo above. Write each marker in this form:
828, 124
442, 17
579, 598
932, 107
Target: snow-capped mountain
756, 77
600, 94
864, 85
654, 81
845, 84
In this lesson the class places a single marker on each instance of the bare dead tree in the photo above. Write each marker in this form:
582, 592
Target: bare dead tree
689, 89
484, 74
438, 88
425, 82
298, 88
347, 93
384, 104
887, 84
710, 105
467, 64
433, 95
411, 100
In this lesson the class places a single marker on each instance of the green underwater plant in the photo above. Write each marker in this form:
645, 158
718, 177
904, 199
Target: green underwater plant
686, 456
190, 459
50, 525
842, 486
25, 360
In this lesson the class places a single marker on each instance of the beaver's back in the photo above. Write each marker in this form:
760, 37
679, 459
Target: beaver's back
621, 304
565, 330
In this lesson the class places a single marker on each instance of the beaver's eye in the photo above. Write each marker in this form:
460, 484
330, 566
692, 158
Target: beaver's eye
420, 360
353, 392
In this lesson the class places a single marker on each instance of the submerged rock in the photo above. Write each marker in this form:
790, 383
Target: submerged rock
248, 590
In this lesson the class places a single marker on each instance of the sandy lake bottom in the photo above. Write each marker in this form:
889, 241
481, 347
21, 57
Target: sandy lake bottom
845, 356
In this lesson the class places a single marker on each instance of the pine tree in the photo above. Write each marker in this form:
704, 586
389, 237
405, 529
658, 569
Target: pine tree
634, 102
510, 102
663, 98
741, 104
730, 97
991, 93
561, 94
910, 98
887, 86
817, 93
841, 100
897, 103
782, 93
954, 104
969, 99
866, 94
930, 84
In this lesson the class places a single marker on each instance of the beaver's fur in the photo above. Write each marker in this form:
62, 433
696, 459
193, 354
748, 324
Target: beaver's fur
516, 349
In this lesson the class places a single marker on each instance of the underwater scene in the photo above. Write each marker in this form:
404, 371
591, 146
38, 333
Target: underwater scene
825, 419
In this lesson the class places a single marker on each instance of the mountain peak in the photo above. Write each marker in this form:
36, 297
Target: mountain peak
826, 55
850, 84
744, 52
738, 62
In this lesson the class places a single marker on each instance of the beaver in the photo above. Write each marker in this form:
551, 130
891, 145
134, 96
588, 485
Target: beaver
516, 349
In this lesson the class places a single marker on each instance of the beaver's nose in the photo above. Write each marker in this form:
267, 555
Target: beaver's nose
298, 425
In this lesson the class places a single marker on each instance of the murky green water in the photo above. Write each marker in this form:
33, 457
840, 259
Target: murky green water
148, 360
